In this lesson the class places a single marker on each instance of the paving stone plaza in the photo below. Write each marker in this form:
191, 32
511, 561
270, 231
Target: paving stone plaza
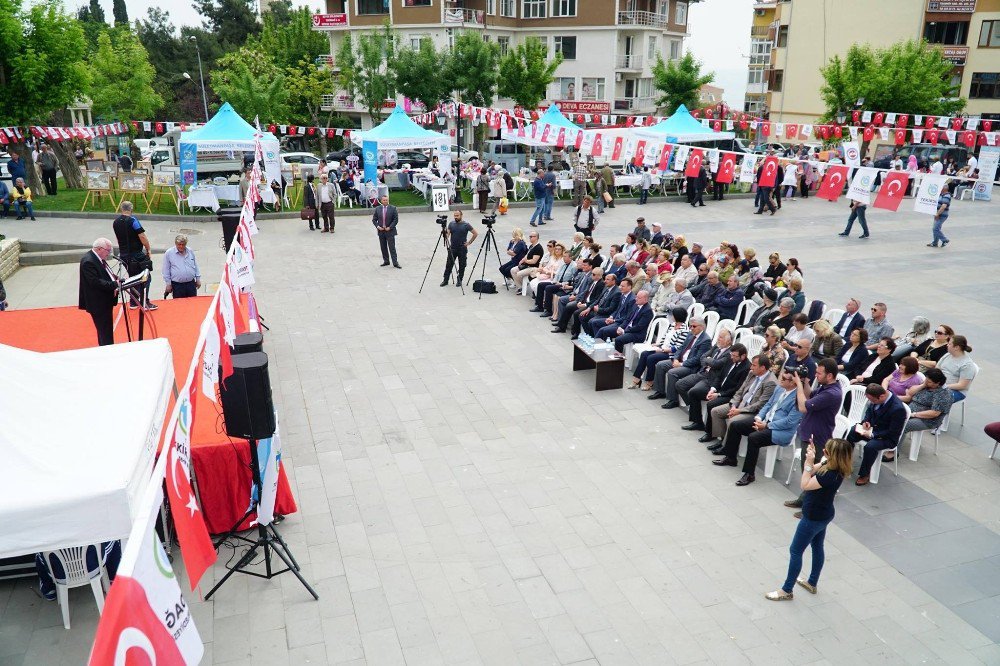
465, 498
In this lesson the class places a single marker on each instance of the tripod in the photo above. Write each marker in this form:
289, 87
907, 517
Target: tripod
451, 260
489, 240
267, 539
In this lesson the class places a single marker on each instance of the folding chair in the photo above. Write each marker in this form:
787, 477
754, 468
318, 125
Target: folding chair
877, 467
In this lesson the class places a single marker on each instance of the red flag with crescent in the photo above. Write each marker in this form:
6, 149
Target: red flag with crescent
987, 125
879, 118
665, 157
765, 129
561, 138
855, 117
769, 171
640, 154
791, 131
616, 152
900, 136
969, 138
869, 133
891, 193
902, 120
694, 163
956, 124
833, 183
727, 168
130, 632
932, 137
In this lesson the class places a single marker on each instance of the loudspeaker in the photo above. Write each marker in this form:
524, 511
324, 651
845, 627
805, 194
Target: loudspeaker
246, 398
230, 218
248, 342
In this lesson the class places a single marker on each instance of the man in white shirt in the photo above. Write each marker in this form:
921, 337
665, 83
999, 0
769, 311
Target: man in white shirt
686, 271
326, 195
973, 163
937, 167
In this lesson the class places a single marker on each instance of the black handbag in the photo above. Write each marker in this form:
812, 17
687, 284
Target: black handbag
484, 287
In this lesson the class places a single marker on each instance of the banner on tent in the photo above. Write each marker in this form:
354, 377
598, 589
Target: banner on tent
989, 158
370, 151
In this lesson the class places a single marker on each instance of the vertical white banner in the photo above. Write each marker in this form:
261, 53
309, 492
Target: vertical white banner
852, 154
861, 185
927, 197
989, 156
747, 168
680, 157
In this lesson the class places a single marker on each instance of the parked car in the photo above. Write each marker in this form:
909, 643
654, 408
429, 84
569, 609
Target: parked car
778, 148
308, 163
926, 154
4, 174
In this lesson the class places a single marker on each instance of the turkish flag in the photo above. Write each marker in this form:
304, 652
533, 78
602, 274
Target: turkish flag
744, 124
902, 120
956, 123
129, 632
900, 136
891, 193
932, 137
665, 157
717, 125
727, 168
838, 131
855, 117
869, 132
929, 122
545, 134
708, 113
824, 132
969, 138
765, 129
696, 113
159, 128
987, 125
629, 122
769, 171
694, 163
598, 145
791, 131
616, 152
640, 154
833, 183
561, 138
579, 140
879, 118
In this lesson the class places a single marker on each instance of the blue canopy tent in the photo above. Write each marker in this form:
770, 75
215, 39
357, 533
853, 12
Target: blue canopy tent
226, 132
680, 128
398, 132
533, 131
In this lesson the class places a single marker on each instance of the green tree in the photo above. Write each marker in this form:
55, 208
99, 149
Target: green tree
526, 72
41, 70
232, 21
122, 78
91, 18
280, 11
306, 86
250, 81
368, 73
289, 38
680, 82
420, 74
908, 76
120, 12
474, 65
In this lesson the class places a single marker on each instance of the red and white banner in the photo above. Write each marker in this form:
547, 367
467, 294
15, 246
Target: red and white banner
769, 171
833, 183
693, 168
727, 168
890, 194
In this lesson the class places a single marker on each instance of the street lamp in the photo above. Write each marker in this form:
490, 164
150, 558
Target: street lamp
201, 75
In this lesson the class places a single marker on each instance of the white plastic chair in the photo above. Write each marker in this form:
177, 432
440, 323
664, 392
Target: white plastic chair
711, 321
840, 429
753, 343
181, 199
917, 438
833, 316
858, 403
744, 311
695, 310
74, 565
877, 467
633, 351
340, 197
961, 403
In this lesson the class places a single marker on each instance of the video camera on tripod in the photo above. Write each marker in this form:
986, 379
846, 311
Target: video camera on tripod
490, 220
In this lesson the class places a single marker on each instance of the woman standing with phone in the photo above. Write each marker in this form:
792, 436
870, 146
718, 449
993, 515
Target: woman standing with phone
819, 484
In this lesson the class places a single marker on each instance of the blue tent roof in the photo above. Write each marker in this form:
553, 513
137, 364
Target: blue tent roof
682, 125
225, 125
398, 131
553, 116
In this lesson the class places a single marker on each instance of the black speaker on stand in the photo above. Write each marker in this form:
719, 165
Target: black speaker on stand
249, 414
230, 218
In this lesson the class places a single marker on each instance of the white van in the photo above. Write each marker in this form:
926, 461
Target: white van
511, 156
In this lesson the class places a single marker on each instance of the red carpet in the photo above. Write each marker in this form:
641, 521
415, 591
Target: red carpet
221, 464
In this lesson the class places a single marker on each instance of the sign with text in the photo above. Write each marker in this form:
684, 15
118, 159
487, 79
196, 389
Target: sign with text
329, 20
956, 55
583, 107
951, 6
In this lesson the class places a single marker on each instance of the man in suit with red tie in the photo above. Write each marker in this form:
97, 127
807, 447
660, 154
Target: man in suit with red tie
634, 328
98, 289
384, 220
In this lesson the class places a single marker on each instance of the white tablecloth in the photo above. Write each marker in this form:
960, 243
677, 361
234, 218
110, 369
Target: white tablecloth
522, 187
228, 193
203, 197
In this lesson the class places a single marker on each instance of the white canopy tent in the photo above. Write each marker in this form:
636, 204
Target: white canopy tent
79, 436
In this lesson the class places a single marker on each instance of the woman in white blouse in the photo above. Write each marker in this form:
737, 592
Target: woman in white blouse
799, 331
548, 267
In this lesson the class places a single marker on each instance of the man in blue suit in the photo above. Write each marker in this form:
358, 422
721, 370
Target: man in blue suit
606, 327
727, 302
634, 328
588, 299
850, 320
775, 424
686, 361
609, 301
880, 427
582, 283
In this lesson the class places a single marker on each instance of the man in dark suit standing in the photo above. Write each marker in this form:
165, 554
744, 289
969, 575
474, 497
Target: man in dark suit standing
634, 328
98, 288
880, 428
384, 220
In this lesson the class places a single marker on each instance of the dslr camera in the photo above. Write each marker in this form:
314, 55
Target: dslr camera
490, 220
802, 371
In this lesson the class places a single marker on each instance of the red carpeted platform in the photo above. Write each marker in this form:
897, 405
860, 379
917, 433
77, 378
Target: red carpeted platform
221, 465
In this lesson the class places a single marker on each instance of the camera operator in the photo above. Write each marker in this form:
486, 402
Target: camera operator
134, 250
819, 408
456, 235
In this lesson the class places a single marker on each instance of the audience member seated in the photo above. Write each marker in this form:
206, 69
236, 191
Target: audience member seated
577, 247
549, 267
666, 344
957, 366
929, 352
826, 343
609, 300
929, 403
881, 428
795, 293
684, 362
880, 364
774, 425
903, 378
775, 269
751, 396
711, 291
619, 266
562, 281
728, 300
670, 298
802, 355
878, 326
630, 247
919, 333
767, 304
516, 249
606, 327
634, 328
850, 320
700, 283
792, 270
782, 318
717, 388
687, 270
775, 353
714, 360
586, 300
678, 249
582, 283
854, 357
799, 331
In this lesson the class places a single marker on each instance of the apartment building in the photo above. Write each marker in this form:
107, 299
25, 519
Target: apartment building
608, 46
792, 39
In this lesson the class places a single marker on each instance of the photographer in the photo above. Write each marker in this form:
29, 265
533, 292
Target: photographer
456, 235
819, 408
133, 248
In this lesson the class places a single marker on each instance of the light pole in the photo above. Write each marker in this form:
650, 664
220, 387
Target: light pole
201, 75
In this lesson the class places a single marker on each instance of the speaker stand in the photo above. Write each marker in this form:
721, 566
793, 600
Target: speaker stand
267, 540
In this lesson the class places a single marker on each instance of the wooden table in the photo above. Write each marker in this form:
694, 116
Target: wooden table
610, 369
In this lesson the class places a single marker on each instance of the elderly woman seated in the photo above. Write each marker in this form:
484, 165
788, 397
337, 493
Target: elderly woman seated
664, 346
768, 305
827, 343
904, 377
919, 332
881, 364
782, 318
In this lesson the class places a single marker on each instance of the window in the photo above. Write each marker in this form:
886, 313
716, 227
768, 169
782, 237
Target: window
985, 86
651, 49
507, 8
564, 7
663, 9
681, 13
491, 7
544, 41
417, 3
675, 49
946, 32
989, 34
533, 8
592, 89
645, 88
760, 51
504, 44
373, 7
415, 41
782, 40
565, 87
755, 77
777, 80
565, 45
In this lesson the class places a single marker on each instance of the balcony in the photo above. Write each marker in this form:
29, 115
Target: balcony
760, 30
338, 102
643, 20
635, 104
470, 17
757, 88
628, 61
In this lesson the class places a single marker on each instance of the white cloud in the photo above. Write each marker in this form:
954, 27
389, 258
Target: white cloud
720, 38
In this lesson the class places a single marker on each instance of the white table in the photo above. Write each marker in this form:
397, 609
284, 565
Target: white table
519, 183
228, 193
203, 197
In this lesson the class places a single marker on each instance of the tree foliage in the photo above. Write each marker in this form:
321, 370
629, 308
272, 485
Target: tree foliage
473, 71
306, 84
289, 38
232, 21
122, 78
420, 74
908, 76
368, 71
252, 83
120, 12
91, 18
526, 72
679, 81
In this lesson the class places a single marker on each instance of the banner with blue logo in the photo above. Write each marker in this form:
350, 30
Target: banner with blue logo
369, 150
189, 163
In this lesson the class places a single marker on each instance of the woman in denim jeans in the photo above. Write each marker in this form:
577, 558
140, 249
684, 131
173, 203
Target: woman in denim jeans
819, 484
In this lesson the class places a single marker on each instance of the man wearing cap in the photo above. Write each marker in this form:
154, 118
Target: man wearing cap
641, 230
697, 257
657, 237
